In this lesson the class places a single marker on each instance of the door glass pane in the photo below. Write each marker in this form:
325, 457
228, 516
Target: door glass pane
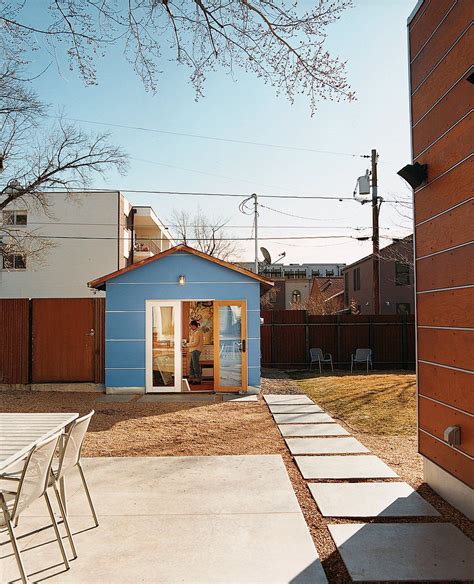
163, 327
230, 346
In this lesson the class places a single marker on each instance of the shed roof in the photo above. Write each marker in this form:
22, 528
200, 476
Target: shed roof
99, 283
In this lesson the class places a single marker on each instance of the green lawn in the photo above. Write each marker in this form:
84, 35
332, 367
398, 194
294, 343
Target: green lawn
378, 403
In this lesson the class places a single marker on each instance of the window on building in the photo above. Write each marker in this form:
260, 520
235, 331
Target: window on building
403, 308
296, 297
329, 272
14, 261
315, 273
14, 217
356, 278
402, 274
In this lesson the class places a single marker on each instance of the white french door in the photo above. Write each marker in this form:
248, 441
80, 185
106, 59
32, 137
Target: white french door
163, 346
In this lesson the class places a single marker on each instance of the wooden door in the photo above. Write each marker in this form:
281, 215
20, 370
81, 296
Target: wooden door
230, 345
63, 340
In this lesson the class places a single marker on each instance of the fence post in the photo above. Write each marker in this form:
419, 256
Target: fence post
272, 341
30, 341
338, 349
306, 338
404, 340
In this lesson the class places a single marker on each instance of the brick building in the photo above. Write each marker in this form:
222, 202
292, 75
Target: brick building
441, 51
396, 280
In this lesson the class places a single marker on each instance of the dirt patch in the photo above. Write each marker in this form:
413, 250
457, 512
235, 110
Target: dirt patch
205, 429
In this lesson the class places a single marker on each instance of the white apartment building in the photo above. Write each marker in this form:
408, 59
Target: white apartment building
88, 234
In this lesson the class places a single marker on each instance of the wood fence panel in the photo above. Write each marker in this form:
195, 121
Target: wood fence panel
14, 340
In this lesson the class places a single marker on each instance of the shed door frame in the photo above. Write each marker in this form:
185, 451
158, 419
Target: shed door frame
244, 345
149, 305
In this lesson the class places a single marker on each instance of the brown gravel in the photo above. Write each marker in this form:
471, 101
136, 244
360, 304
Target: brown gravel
197, 429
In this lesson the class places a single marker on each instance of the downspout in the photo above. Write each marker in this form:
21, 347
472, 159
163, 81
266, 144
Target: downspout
132, 229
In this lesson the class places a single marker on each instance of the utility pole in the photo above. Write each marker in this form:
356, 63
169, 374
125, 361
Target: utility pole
255, 226
375, 236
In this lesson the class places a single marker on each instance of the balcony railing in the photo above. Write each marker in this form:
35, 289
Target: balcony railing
147, 245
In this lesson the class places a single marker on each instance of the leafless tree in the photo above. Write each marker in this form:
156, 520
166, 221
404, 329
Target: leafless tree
205, 234
277, 40
36, 157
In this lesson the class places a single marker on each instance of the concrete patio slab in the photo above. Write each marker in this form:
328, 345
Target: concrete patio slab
338, 445
240, 398
316, 418
405, 552
370, 500
297, 398
312, 430
343, 467
111, 398
294, 408
183, 519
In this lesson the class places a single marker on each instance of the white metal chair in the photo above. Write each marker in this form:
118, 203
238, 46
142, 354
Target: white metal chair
362, 356
70, 458
18, 493
317, 356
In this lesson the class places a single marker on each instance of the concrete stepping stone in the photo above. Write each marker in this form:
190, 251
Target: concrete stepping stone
299, 398
343, 467
312, 430
240, 398
114, 398
338, 445
404, 552
315, 418
294, 409
370, 500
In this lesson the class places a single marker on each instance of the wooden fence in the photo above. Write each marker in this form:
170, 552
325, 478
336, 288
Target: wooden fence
288, 335
51, 340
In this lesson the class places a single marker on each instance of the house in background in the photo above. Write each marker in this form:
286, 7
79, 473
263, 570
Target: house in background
293, 282
396, 280
326, 296
441, 41
90, 233
148, 309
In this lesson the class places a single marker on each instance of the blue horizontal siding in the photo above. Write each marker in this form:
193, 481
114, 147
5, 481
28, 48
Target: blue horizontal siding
125, 310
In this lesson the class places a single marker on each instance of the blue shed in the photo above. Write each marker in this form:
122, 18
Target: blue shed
151, 345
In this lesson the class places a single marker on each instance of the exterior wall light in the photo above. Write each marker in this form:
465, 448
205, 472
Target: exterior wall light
181, 280
414, 174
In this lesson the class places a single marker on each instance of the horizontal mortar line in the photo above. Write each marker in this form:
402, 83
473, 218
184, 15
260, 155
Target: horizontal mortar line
470, 198
441, 59
188, 282
416, 15
124, 311
449, 328
437, 401
446, 132
461, 287
125, 340
434, 32
446, 444
447, 171
461, 78
429, 255
446, 366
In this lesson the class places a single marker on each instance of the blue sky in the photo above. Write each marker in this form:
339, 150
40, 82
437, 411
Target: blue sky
371, 36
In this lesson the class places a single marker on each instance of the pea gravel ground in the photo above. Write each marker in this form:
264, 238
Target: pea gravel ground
197, 429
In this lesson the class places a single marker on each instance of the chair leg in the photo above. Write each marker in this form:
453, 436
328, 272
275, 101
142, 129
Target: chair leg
62, 487
86, 488
65, 520
56, 530
16, 549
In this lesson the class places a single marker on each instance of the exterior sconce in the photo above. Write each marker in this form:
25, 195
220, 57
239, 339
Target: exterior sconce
181, 280
414, 174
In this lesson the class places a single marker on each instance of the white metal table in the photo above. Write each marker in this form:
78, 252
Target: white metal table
20, 432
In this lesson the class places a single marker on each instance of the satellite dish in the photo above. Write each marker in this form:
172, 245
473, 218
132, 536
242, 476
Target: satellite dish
266, 255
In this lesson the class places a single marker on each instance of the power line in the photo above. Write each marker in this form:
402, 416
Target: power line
217, 138
208, 194
295, 237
